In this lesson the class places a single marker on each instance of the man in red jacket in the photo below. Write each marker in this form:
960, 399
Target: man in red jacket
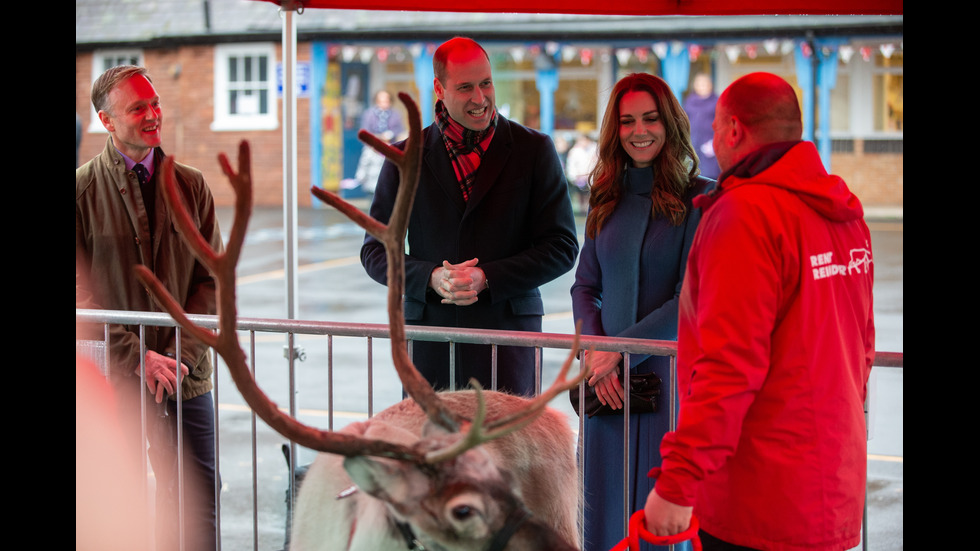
775, 343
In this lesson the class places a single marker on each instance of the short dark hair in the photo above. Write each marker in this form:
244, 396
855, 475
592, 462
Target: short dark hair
441, 56
108, 80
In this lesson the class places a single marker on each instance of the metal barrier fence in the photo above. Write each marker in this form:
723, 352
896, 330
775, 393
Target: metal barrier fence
96, 351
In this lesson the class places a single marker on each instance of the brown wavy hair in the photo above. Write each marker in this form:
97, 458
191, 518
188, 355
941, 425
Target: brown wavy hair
673, 168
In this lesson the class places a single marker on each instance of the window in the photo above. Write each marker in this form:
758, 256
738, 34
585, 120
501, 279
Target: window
107, 59
518, 98
888, 86
102, 61
840, 102
245, 87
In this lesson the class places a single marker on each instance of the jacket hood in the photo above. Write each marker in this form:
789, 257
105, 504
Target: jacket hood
798, 170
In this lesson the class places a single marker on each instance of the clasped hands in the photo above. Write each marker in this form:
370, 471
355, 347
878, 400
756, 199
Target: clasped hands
161, 374
662, 517
605, 376
458, 284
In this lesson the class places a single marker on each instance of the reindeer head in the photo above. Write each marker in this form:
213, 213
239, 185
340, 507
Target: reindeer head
459, 503
466, 500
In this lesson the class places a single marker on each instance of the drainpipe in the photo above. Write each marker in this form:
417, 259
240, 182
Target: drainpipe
207, 15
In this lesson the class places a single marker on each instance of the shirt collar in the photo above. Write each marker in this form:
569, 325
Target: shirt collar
146, 162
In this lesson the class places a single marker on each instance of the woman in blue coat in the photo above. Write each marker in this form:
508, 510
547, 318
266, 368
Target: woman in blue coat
638, 232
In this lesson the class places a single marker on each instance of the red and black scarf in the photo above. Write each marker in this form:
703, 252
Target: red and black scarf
466, 147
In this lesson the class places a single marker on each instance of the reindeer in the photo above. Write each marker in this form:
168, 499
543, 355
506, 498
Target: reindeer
417, 474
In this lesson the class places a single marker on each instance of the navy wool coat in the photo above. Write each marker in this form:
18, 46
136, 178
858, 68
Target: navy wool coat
518, 222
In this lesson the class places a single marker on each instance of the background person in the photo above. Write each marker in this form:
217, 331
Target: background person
491, 222
121, 220
386, 123
775, 343
700, 108
578, 166
638, 233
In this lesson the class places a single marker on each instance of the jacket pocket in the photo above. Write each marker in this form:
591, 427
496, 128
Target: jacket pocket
527, 306
414, 310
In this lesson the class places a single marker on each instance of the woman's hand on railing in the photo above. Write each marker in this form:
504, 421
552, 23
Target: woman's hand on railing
605, 376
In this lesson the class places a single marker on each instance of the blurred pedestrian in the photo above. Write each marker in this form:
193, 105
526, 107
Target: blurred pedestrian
384, 121
700, 108
578, 166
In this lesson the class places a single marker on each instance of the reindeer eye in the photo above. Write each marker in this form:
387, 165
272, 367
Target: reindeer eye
462, 512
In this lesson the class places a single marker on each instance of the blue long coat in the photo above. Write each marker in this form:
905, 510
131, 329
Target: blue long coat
627, 284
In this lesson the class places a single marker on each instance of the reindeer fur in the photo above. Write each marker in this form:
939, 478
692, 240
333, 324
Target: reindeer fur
536, 463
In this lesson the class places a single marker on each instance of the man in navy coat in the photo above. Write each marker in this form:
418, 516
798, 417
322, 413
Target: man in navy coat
491, 222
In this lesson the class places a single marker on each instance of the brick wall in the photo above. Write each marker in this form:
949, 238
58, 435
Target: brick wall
877, 178
183, 77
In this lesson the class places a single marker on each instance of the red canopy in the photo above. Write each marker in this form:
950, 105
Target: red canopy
623, 7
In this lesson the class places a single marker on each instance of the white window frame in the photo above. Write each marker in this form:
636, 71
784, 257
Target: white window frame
122, 57
224, 119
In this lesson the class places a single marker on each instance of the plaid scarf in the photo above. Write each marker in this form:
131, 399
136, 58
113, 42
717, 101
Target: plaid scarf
466, 147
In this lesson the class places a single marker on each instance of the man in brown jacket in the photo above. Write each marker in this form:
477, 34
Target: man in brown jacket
121, 220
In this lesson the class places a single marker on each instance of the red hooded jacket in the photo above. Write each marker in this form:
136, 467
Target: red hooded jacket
775, 345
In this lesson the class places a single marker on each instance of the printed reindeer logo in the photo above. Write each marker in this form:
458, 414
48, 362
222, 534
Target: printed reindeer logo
860, 261
420, 467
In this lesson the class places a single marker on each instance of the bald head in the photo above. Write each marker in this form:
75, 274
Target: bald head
754, 111
767, 105
454, 48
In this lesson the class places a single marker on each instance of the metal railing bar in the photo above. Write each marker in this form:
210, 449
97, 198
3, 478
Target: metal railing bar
626, 442
253, 418
413, 332
181, 503
453, 336
370, 377
217, 457
330, 386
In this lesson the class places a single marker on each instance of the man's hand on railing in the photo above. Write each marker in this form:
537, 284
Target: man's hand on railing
161, 374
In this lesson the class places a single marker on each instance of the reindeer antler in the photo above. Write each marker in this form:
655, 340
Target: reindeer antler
392, 236
225, 341
478, 433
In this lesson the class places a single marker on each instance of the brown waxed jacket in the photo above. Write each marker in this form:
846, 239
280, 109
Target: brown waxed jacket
112, 235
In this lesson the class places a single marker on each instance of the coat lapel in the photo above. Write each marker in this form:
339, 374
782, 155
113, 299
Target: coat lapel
129, 193
493, 162
436, 160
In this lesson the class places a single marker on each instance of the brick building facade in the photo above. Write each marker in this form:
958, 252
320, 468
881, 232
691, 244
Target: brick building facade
187, 99
874, 173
